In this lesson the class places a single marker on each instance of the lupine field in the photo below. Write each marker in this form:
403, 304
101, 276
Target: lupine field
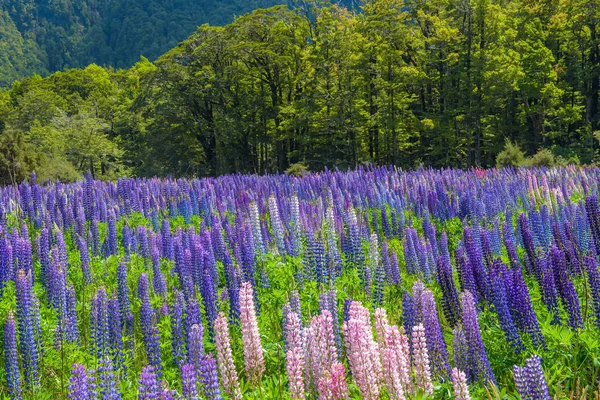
370, 284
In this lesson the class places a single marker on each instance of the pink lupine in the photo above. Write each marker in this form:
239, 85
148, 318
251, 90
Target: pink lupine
295, 371
321, 352
332, 385
421, 360
294, 330
459, 383
362, 351
295, 356
253, 353
395, 359
225, 363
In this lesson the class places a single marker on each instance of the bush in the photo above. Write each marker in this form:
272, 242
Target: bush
512, 155
297, 169
543, 158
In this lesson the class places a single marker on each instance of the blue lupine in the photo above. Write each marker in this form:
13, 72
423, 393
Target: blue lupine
566, 289
522, 308
479, 366
450, 301
408, 312
177, 342
149, 388
594, 282
501, 305
27, 327
530, 380
106, 381
11, 358
148, 322
438, 353
82, 384
209, 378
189, 386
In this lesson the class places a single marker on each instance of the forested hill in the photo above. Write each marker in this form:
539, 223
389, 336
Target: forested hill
42, 36
438, 82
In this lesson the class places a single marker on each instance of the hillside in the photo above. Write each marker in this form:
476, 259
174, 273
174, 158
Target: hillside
403, 83
42, 36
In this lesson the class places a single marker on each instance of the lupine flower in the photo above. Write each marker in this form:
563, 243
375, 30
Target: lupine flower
28, 326
479, 367
321, 352
566, 289
195, 350
459, 383
395, 363
332, 385
81, 384
253, 352
189, 384
209, 378
450, 301
461, 350
148, 322
11, 360
295, 371
362, 352
148, 386
530, 380
177, 342
107, 381
438, 353
421, 360
594, 281
225, 362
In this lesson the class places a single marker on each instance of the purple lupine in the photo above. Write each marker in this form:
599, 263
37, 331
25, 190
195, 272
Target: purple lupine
158, 279
81, 384
549, 291
530, 380
189, 384
11, 360
27, 327
408, 311
479, 366
177, 342
438, 353
566, 289
522, 307
501, 305
594, 281
150, 332
107, 381
149, 388
450, 301
99, 324
209, 378
461, 350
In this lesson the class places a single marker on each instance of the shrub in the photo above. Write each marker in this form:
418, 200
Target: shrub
297, 169
512, 155
543, 158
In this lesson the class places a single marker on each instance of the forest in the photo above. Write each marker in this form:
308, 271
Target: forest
438, 83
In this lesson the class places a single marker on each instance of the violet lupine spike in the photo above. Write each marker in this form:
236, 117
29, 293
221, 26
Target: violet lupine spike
479, 365
530, 380
522, 308
225, 362
501, 305
177, 342
189, 383
253, 352
81, 384
591, 268
149, 388
107, 381
150, 331
11, 358
209, 378
438, 353
450, 301
566, 289
28, 327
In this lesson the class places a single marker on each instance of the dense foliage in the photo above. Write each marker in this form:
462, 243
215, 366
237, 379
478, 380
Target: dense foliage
41, 36
370, 284
442, 83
